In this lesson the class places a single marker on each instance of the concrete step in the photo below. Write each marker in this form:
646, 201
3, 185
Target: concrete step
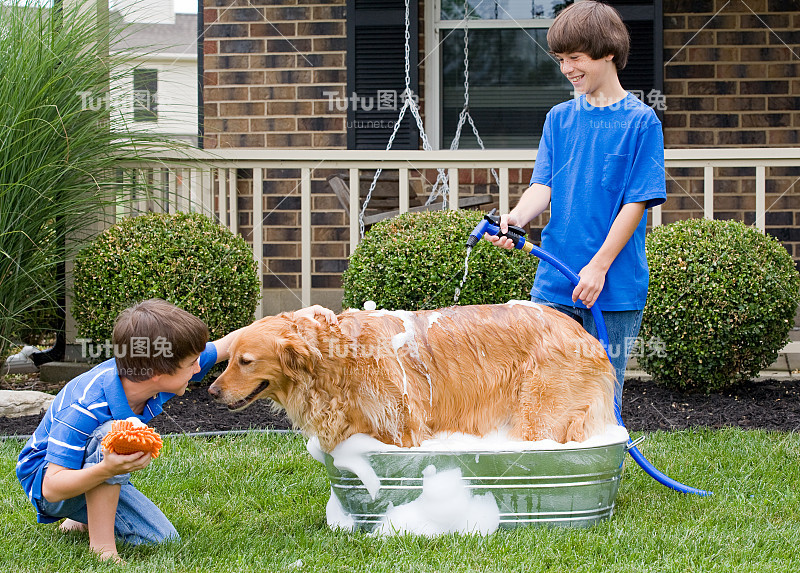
788, 362
788, 359
62, 371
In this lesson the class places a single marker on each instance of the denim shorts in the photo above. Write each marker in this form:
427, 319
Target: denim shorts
137, 521
622, 326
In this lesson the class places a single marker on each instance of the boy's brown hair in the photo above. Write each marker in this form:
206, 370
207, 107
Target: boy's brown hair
593, 28
154, 337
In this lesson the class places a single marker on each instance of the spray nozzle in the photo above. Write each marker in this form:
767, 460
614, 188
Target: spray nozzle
491, 224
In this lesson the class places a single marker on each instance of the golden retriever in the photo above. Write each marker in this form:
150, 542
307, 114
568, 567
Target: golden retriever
402, 377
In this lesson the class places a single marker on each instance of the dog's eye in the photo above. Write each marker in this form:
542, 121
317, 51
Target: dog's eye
244, 361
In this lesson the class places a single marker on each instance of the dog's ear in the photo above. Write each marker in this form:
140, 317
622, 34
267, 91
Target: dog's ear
295, 359
299, 349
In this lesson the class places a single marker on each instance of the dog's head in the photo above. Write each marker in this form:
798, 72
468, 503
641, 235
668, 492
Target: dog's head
267, 360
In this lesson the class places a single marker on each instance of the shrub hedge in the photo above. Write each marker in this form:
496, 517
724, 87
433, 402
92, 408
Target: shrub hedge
416, 261
186, 259
722, 300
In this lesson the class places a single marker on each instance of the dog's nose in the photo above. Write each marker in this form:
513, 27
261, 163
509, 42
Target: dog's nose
213, 390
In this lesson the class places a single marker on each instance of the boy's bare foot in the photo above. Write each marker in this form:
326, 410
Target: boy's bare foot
109, 556
107, 553
71, 525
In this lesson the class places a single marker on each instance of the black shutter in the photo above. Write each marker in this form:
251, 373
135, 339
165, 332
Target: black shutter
645, 69
376, 62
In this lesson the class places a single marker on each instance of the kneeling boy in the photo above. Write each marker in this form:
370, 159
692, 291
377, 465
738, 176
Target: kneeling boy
64, 470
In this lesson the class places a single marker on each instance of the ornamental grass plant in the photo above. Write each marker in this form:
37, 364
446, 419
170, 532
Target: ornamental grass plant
58, 156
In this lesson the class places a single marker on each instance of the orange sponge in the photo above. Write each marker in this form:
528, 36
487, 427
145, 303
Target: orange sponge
128, 437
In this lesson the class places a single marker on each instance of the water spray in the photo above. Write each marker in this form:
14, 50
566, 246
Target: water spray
490, 224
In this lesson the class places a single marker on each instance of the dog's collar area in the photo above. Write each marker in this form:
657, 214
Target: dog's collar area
244, 402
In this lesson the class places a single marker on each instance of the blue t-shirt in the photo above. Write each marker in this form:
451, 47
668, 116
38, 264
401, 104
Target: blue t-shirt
82, 406
596, 159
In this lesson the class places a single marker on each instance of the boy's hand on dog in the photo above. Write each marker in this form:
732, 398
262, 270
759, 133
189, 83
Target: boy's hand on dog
503, 242
315, 311
118, 464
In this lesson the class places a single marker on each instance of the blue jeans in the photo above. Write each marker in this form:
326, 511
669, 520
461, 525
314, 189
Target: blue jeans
137, 521
622, 326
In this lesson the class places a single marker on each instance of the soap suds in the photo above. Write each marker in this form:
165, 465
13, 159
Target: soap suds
445, 504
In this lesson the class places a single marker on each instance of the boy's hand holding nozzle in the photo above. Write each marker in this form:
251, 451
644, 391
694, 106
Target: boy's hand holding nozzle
489, 228
502, 241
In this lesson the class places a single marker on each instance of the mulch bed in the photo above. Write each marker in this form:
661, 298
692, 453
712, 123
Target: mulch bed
765, 404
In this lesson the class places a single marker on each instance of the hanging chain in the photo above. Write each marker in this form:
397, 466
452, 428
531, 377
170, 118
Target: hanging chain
441, 179
465, 114
466, 55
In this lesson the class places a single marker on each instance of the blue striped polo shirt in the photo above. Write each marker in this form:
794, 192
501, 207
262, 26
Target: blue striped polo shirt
82, 406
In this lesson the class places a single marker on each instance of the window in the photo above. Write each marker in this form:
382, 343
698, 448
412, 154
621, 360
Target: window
375, 70
513, 81
145, 94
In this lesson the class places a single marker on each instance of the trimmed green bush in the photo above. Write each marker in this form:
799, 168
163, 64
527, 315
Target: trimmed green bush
722, 300
186, 259
416, 261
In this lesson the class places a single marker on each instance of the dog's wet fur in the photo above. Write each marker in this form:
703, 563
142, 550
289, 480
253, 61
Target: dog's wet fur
403, 377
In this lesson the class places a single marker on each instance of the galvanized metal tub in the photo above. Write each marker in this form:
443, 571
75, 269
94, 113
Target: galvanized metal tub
575, 487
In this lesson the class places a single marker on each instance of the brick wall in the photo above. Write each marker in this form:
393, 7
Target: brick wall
732, 78
267, 65
732, 73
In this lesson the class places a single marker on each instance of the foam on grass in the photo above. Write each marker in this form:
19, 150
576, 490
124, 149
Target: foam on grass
444, 506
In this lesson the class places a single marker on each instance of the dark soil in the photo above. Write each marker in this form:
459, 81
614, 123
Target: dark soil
766, 404
763, 404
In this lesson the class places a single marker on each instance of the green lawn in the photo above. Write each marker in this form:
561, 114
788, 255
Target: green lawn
256, 502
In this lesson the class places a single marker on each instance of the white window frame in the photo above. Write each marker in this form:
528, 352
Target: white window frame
435, 31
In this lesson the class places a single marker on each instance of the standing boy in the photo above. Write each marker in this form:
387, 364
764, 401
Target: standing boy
64, 470
600, 166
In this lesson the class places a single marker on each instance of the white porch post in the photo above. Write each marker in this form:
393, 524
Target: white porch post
708, 192
305, 235
258, 234
761, 198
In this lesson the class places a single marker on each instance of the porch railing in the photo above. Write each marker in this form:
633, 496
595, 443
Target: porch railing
208, 181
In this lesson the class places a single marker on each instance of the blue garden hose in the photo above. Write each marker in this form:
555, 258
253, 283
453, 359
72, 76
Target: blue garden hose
491, 224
